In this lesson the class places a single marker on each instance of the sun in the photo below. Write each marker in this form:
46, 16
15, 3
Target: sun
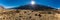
32, 2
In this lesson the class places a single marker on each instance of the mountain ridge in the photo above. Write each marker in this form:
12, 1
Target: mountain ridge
34, 7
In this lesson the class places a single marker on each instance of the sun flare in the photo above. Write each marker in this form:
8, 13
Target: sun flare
32, 2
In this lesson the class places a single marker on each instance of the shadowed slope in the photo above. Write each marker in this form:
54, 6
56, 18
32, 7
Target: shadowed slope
34, 7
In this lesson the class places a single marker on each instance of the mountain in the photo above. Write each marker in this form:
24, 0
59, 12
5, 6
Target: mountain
34, 7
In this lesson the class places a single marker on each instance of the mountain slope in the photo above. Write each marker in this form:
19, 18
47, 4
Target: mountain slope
34, 7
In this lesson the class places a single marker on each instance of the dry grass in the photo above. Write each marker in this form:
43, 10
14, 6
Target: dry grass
29, 15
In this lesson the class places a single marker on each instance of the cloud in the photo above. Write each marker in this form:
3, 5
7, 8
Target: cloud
7, 6
58, 8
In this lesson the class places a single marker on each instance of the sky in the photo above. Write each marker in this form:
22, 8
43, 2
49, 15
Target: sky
16, 3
